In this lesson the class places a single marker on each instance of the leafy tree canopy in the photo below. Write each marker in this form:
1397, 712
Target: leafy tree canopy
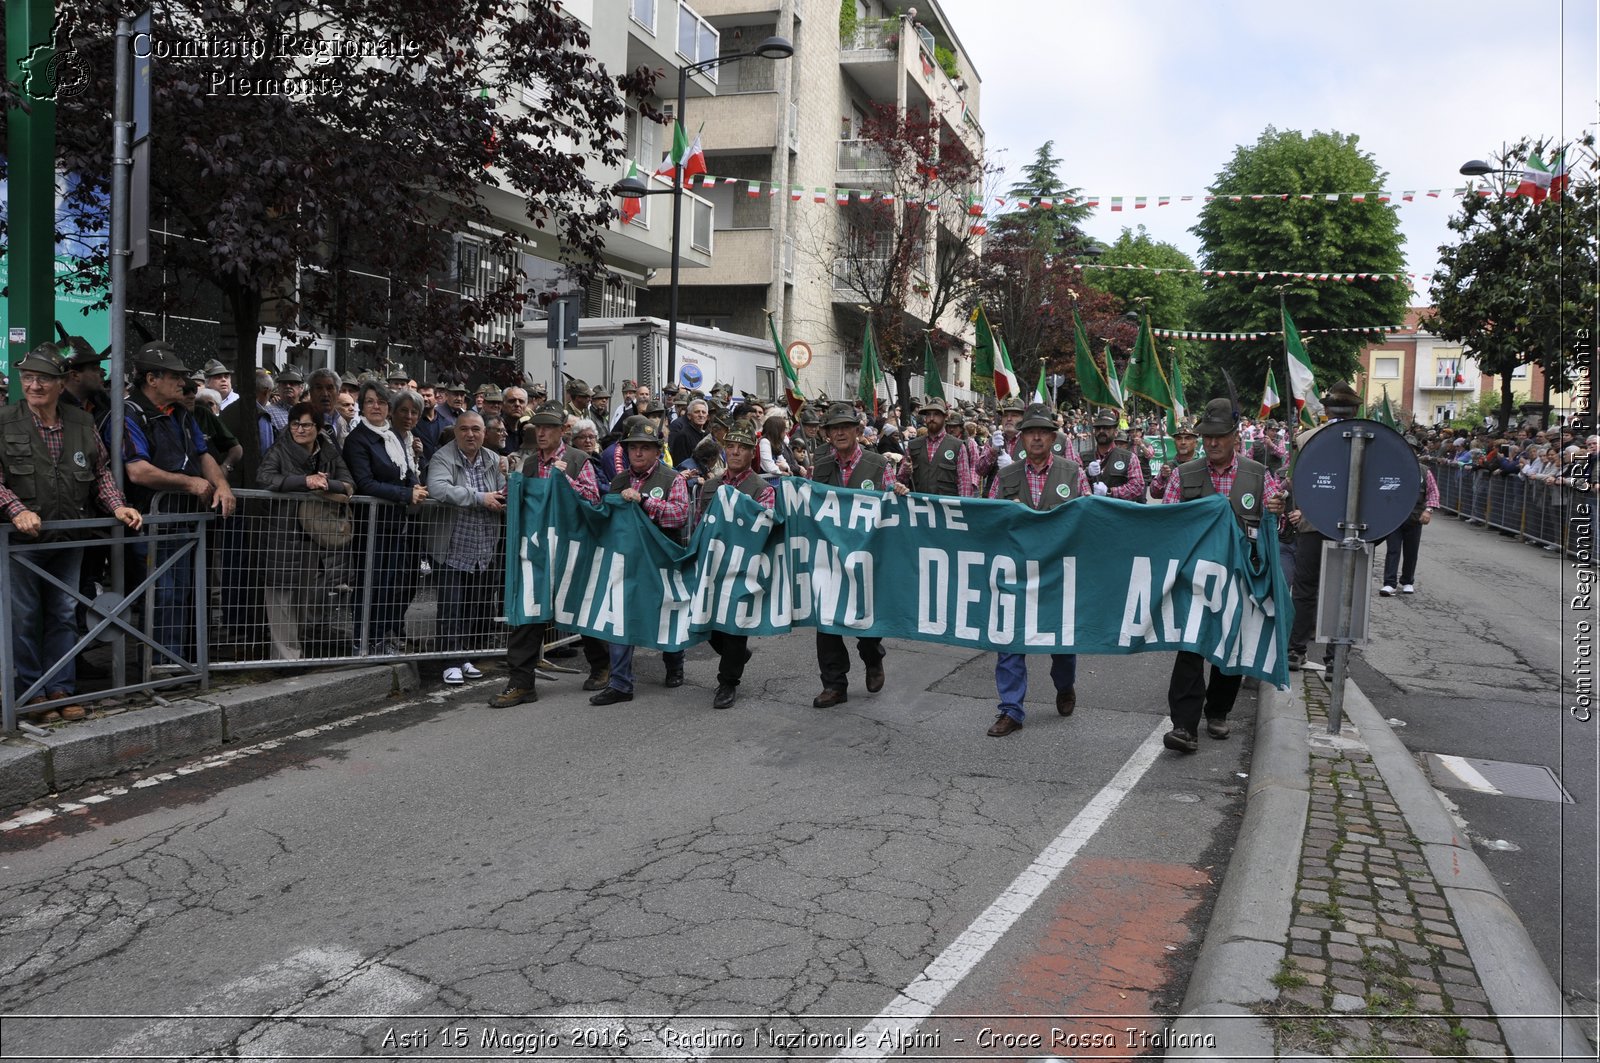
1519, 284
1298, 234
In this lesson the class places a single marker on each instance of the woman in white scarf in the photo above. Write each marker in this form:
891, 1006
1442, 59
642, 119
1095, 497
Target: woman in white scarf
386, 468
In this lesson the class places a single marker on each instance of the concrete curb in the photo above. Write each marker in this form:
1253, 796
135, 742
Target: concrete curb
31, 768
1513, 974
1246, 940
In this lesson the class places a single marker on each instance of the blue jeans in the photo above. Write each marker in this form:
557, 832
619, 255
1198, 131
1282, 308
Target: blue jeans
1011, 678
44, 621
622, 666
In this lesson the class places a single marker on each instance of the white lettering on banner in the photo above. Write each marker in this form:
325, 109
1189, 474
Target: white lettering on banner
725, 599
675, 606
1169, 619
858, 571
613, 612
953, 518
799, 564
1069, 601
748, 612
865, 510
919, 506
1137, 620
1252, 627
780, 582
1031, 635
587, 606
710, 568
1002, 605
796, 495
825, 582
830, 509
933, 583
966, 594
530, 600
1209, 582
564, 615
1230, 610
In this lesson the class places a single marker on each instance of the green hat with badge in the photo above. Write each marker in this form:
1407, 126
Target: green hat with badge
1185, 427
1218, 419
1039, 415
1105, 417
934, 406
159, 354
549, 414
45, 359
291, 375
1012, 404
643, 430
741, 433
841, 413
809, 416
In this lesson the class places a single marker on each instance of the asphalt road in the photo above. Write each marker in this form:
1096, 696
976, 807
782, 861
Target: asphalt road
1473, 663
652, 879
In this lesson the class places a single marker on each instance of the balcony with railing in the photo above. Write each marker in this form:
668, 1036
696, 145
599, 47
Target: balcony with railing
858, 280
647, 239
862, 164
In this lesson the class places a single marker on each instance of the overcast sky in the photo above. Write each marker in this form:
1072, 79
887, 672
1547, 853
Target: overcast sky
1151, 97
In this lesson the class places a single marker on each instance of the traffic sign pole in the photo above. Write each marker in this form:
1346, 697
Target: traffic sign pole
1352, 541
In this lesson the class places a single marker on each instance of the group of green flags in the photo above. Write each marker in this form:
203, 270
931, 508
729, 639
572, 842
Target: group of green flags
1145, 376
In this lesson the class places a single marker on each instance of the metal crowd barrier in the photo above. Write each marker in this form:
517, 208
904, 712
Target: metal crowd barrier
1556, 516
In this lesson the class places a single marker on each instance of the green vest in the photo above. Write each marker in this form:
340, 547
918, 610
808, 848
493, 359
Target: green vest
1249, 485
868, 475
935, 475
1114, 467
661, 478
1060, 483
58, 489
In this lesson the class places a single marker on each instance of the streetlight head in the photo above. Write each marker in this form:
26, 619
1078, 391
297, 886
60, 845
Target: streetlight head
632, 187
1476, 168
775, 48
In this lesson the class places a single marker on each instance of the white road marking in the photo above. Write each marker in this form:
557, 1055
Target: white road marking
1469, 775
928, 990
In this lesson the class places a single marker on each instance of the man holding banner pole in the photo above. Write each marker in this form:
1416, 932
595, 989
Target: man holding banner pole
1041, 480
1250, 489
741, 475
525, 642
849, 465
1113, 470
664, 497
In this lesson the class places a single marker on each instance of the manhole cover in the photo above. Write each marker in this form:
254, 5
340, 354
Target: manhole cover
1498, 777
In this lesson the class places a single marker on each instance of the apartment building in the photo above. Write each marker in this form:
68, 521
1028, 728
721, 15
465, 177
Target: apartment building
795, 124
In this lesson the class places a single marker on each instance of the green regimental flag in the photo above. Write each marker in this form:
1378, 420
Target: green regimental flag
1090, 381
932, 383
1178, 407
867, 390
1144, 376
1041, 393
1384, 414
1097, 575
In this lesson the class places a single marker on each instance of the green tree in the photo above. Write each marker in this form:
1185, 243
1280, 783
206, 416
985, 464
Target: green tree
1169, 298
1285, 232
1518, 287
1052, 228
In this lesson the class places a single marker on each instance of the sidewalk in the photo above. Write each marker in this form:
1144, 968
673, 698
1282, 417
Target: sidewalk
1355, 919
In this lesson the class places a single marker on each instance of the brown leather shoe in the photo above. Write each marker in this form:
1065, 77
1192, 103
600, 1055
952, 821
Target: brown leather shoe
72, 711
1066, 701
513, 696
598, 680
874, 677
829, 698
1004, 725
1217, 728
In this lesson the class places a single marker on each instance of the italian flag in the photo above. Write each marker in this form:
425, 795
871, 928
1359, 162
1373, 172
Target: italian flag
1269, 393
791, 379
692, 157
1040, 392
1558, 175
631, 207
991, 359
1302, 381
1535, 179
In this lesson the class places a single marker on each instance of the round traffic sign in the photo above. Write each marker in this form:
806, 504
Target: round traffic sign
1390, 478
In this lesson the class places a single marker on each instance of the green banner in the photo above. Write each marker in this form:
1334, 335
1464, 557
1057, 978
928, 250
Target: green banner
1098, 575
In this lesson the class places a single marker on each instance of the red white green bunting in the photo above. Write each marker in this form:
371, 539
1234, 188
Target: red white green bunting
1262, 274
1225, 337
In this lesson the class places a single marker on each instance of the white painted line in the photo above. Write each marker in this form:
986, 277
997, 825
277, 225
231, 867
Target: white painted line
928, 990
1469, 775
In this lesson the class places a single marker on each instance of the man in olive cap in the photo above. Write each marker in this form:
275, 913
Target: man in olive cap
1252, 491
941, 464
1041, 480
849, 464
525, 642
1113, 470
664, 497
219, 378
290, 384
46, 448
1005, 445
733, 650
578, 396
86, 386
1184, 438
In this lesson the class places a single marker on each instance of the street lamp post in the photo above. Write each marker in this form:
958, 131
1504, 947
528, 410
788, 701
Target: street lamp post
773, 48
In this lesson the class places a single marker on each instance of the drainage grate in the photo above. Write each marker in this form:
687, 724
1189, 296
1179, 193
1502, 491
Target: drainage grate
1499, 777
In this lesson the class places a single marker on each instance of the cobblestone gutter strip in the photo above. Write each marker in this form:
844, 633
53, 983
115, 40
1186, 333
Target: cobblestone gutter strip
1244, 945
1480, 934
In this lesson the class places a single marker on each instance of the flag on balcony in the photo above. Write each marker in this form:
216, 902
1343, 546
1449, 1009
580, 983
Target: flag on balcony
791, 379
871, 374
990, 359
1269, 393
1090, 381
632, 206
932, 383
